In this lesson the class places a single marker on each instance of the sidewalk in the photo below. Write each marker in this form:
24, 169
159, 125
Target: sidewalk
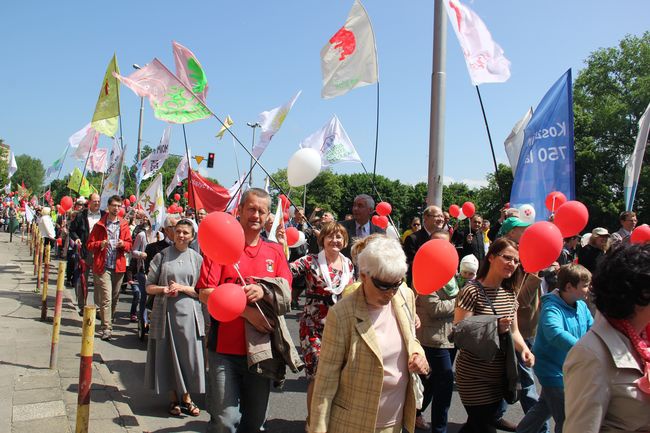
34, 398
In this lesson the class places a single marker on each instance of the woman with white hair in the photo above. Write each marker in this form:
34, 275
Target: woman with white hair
363, 382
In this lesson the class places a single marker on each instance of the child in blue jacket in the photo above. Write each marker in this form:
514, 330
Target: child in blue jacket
564, 318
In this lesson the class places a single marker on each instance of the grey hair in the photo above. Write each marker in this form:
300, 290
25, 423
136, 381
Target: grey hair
429, 210
383, 258
370, 202
171, 221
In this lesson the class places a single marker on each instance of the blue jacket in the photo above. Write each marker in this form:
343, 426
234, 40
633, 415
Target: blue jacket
559, 329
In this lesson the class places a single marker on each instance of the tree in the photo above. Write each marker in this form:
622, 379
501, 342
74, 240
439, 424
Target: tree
30, 171
4, 165
610, 95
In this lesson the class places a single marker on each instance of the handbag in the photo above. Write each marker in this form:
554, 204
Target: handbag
418, 387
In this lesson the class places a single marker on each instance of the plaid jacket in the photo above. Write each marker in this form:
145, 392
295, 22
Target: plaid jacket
350, 369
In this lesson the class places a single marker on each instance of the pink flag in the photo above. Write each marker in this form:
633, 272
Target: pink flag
98, 161
484, 57
83, 141
171, 100
189, 71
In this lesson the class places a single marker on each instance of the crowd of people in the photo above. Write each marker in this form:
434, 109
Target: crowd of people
376, 354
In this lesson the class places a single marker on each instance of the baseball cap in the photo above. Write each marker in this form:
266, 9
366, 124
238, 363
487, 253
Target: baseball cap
510, 223
600, 231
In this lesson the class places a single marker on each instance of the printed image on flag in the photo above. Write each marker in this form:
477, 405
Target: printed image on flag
152, 163
98, 161
171, 101
179, 176
56, 165
84, 141
107, 110
349, 59
190, 71
333, 144
153, 203
113, 184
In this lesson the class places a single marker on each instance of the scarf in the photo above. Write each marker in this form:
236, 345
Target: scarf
451, 288
324, 270
642, 346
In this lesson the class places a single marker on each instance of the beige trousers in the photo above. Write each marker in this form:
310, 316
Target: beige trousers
107, 292
397, 428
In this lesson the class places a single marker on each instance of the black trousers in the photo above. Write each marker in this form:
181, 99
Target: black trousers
480, 419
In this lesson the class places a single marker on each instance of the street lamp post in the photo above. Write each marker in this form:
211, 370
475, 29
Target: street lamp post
137, 183
250, 174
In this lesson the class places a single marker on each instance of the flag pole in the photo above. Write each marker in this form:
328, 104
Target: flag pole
84, 172
494, 159
374, 168
234, 151
65, 154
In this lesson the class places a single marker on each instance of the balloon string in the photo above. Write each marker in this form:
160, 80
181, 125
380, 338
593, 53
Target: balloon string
256, 304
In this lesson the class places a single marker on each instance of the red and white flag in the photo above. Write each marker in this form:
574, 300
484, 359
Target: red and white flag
98, 161
83, 141
484, 57
349, 59
204, 194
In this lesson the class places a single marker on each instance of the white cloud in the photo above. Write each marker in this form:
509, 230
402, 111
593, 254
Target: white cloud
472, 183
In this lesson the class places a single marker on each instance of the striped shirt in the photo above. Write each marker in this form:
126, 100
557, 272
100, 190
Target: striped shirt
481, 382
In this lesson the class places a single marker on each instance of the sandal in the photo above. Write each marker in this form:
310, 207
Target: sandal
174, 408
191, 408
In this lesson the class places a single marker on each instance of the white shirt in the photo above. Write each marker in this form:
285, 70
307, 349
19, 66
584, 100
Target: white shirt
92, 219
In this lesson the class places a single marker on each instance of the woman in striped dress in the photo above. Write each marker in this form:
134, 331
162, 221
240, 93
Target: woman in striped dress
481, 383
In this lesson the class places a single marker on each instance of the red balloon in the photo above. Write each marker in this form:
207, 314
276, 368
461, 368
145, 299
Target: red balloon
506, 206
454, 210
121, 212
434, 265
382, 222
66, 203
59, 241
127, 202
177, 196
132, 198
469, 209
221, 238
560, 199
571, 218
383, 208
641, 234
285, 216
540, 246
179, 209
375, 220
60, 209
186, 194
226, 302
292, 236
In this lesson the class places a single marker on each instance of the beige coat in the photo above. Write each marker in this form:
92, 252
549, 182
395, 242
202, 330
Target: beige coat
436, 313
350, 369
599, 393
529, 293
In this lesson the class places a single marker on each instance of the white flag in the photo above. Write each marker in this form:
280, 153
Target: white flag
113, 184
515, 140
84, 141
29, 213
270, 123
152, 163
13, 167
114, 156
179, 176
8, 187
484, 57
633, 166
349, 59
98, 161
333, 144
277, 220
153, 203
234, 202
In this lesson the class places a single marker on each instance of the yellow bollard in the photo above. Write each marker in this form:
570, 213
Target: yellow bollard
85, 370
46, 264
56, 321
38, 265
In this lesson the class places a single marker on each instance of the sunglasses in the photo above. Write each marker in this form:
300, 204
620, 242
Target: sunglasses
384, 286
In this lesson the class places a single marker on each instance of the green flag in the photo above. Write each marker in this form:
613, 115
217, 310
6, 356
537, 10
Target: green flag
107, 110
79, 183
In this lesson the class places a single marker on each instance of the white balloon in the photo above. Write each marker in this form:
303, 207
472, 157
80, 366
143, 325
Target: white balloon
461, 215
301, 240
391, 232
527, 213
303, 167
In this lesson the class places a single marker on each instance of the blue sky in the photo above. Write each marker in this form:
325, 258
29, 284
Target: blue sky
257, 54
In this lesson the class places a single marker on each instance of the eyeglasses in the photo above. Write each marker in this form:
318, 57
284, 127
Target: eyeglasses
384, 286
508, 258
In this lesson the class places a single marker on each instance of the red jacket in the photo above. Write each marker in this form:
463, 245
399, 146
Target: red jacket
94, 245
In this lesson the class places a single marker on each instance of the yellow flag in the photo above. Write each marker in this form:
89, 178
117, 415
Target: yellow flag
107, 110
199, 159
227, 124
78, 183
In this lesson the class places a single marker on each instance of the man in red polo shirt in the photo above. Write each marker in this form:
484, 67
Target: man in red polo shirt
237, 399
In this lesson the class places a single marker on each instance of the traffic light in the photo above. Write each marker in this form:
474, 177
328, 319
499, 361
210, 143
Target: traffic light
210, 160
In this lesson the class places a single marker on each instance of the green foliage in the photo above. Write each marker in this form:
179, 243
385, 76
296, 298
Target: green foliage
30, 170
610, 95
4, 165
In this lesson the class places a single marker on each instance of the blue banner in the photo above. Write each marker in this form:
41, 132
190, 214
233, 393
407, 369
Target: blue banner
546, 161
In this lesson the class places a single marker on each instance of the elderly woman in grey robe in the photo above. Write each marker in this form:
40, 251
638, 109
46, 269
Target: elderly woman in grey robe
175, 361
